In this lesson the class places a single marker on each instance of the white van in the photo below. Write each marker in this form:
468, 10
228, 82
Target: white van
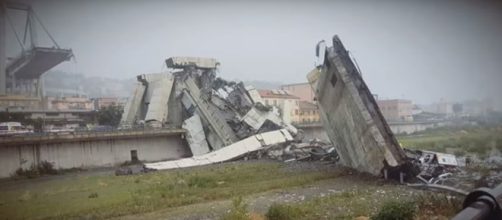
12, 128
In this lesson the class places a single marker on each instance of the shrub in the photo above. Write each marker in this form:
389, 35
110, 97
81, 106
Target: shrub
284, 212
93, 195
394, 210
32, 172
44, 168
238, 211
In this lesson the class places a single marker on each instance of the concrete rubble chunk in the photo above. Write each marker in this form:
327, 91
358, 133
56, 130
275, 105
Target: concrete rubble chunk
160, 88
195, 135
220, 132
350, 114
133, 106
198, 62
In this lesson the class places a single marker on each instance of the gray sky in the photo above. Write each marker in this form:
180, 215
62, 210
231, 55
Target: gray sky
419, 50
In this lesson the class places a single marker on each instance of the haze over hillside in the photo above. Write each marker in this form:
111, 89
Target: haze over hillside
58, 83
419, 50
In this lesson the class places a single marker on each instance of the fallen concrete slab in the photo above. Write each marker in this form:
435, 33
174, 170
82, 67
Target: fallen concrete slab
227, 153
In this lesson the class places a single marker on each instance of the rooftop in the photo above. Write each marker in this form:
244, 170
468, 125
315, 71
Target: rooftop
393, 100
304, 105
281, 94
296, 84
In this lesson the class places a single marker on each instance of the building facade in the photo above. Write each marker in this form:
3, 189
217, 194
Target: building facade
19, 102
105, 102
60, 119
396, 110
68, 103
286, 103
300, 90
307, 113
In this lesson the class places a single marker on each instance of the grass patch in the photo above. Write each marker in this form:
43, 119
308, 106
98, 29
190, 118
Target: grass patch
285, 212
379, 202
438, 204
478, 141
396, 210
343, 205
97, 197
238, 212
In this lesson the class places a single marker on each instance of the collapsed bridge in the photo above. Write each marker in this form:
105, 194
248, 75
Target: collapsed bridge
225, 120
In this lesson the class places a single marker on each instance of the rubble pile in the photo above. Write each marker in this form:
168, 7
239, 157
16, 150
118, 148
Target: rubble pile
451, 173
313, 150
222, 119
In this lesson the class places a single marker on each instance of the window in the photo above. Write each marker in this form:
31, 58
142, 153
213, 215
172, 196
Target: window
266, 101
275, 102
296, 111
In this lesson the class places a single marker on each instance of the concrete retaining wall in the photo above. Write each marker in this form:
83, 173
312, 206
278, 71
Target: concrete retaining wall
312, 131
91, 153
412, 127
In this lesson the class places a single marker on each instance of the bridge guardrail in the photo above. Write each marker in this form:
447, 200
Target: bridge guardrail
88, 133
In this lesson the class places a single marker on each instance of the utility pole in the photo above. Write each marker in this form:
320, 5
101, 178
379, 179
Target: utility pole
3, 78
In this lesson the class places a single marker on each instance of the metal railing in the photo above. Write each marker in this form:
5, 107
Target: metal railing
89, 132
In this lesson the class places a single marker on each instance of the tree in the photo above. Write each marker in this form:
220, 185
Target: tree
13, 116
110, 115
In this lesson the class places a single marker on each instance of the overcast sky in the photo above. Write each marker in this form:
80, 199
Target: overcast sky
418, 50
